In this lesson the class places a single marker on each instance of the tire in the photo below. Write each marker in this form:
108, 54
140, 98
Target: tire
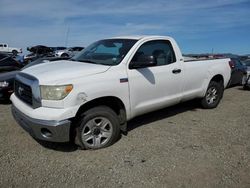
14, 52
64, 55
229, 83
213, 95
97, 128
245, 87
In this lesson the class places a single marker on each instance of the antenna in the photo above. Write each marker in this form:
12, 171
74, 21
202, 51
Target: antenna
67, 37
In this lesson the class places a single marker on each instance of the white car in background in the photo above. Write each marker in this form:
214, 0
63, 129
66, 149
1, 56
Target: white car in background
6, 49
69, 52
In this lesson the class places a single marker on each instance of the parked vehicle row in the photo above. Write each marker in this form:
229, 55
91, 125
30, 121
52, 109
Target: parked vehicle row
11, 65
37, 52
69, 52
90, 97
44, 51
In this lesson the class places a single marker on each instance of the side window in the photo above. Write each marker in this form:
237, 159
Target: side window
4, 45
1, 45
161, 50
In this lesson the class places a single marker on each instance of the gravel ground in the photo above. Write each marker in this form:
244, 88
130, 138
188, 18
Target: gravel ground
181, 146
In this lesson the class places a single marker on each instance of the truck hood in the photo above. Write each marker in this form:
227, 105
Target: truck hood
58, 71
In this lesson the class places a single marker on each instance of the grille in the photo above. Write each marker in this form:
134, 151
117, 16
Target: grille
23, 92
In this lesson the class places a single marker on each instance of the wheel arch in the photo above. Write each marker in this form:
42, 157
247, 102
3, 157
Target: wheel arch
64, 54
112, 102
218, 78
217, 84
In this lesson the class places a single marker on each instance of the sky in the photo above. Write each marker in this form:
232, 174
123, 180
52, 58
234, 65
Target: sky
219, 26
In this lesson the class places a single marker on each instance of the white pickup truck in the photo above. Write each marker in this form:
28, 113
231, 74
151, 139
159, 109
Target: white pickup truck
90, 98
6, 49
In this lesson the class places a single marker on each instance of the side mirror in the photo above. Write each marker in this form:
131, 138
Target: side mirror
142, 61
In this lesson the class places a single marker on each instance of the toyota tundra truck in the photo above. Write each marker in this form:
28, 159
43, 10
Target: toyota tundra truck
90, 98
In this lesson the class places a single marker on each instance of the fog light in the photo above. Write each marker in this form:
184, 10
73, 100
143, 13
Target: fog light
46, 133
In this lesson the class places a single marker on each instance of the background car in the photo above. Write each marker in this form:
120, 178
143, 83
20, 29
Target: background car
37, 52
246, 79
6, 84
69, 52
7, 79
238, 70
6, 49
247, 63
58, 48
8, 63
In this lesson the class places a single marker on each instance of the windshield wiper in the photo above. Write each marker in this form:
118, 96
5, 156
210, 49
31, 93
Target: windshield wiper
87, 61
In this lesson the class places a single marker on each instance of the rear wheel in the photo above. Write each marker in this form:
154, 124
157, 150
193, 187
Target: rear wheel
97, 128
213, 95
245, 87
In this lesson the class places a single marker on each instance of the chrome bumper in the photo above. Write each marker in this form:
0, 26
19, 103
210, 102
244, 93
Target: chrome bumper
53, 131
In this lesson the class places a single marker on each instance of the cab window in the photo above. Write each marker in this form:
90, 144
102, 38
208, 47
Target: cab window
161, 50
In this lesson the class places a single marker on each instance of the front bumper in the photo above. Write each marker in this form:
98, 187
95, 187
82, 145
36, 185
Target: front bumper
48, 130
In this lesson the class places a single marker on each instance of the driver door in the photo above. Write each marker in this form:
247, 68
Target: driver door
158, 86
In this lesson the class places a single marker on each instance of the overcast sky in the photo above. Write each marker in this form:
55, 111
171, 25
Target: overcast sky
198, 26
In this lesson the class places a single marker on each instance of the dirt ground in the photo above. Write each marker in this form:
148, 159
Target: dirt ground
180, 146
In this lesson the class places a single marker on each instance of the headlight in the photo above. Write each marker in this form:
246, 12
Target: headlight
4, 84
55, 92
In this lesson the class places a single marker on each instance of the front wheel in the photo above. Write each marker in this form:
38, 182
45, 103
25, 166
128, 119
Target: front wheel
213, 95
97, 128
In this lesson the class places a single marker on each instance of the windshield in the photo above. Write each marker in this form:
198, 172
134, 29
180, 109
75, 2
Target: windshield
106, 52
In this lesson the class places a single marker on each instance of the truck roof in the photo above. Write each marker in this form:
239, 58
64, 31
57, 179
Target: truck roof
139, 37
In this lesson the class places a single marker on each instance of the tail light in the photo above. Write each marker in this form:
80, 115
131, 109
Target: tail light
231, 64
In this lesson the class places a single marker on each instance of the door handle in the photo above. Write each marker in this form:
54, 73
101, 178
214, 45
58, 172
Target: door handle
176, 71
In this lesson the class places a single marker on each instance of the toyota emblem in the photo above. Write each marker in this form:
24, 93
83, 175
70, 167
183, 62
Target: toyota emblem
20, 90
